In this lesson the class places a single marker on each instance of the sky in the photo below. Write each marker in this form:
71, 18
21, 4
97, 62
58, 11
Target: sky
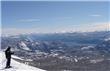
19, 17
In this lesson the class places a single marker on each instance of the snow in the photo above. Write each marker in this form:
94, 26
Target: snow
13, 56
37, 43
75, 60
24, 46
107, 39
16, 66
96, 60
29, 38
86, 48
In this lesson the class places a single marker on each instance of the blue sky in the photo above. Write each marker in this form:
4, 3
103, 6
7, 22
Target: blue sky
53, 16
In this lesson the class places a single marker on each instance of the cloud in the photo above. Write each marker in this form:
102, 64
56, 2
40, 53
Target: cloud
29, 20
95, 15
103, 26
16, 31
63, 18
90, 27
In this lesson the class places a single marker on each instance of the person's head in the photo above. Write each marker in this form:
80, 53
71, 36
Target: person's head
8, 49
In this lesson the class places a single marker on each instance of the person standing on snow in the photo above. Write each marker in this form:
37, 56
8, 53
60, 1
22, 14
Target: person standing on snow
8, 54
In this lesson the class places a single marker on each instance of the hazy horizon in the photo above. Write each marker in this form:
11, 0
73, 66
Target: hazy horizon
20, 17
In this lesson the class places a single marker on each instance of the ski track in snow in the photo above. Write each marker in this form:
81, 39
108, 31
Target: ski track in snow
16, 66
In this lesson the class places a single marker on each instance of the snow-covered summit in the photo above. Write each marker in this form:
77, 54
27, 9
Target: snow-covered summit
107, 39
16, 66
23, 46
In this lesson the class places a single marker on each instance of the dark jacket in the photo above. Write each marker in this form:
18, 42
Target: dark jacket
8, 53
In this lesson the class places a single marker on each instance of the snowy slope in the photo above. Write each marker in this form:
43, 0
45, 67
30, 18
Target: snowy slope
107, 39
16, 66
23, 46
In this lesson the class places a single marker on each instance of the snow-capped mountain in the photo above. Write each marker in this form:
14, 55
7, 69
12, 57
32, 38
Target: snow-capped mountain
104, 45
23, 46
62, 50
107, 39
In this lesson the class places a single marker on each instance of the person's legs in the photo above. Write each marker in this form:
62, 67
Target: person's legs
8, 63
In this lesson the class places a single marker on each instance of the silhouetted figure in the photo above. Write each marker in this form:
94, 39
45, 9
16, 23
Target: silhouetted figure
8, 54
